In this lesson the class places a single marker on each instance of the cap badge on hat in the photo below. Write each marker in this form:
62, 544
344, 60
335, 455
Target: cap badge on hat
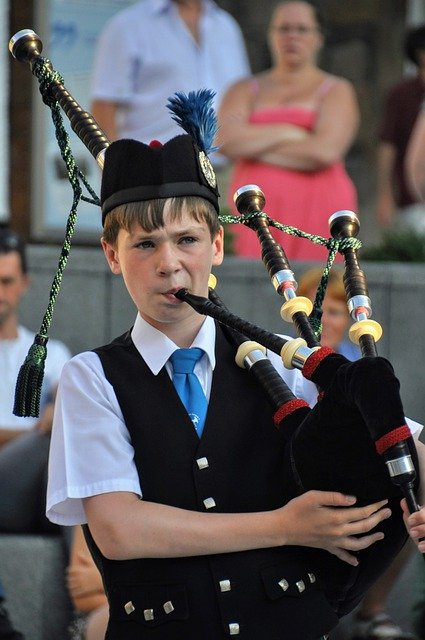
207, 169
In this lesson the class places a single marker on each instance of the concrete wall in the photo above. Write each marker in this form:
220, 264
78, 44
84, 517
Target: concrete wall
93, 307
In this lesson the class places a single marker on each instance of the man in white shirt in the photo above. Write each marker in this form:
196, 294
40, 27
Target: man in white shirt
24, 442
154, 48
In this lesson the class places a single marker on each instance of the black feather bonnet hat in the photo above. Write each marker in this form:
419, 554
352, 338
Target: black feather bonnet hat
135, 171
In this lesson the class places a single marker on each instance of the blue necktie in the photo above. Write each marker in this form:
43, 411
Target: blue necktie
188, 386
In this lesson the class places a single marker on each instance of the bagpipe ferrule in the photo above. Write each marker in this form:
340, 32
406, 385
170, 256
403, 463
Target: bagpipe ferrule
400, 466
284, 283
253, 357
295, 353
249, 199
402, 471
249, 353
25, 45
365, 327
100, 158
359, 305
295, 305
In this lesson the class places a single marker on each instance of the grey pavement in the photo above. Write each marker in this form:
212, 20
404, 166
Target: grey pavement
406, 591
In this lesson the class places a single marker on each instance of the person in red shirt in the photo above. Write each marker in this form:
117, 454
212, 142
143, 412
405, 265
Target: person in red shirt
397, 204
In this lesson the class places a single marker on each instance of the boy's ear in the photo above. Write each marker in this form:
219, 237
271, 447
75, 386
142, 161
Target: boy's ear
111, 256
218, 248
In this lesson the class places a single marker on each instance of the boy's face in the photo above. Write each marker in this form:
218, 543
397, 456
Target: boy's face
158, 263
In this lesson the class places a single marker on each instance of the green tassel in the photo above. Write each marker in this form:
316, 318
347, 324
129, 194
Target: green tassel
30, 380
31, 374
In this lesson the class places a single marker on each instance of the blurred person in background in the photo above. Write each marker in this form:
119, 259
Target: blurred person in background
288, 130
87, 594
398, 205
24, 442
415, 157
154, 48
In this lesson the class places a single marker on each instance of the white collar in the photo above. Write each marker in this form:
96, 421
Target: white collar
156, 348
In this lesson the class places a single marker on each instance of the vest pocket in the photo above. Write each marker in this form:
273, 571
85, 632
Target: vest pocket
149, 604
288, 579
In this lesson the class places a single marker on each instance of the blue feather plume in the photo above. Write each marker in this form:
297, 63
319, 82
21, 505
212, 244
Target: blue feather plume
195, 114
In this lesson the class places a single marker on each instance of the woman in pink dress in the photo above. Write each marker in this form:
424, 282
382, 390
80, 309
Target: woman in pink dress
287, 130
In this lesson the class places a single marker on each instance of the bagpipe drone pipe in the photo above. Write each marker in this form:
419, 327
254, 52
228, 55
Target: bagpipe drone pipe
354, 439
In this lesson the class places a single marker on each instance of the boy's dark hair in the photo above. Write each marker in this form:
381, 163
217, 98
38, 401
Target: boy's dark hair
11, 241
149, 214
414, 42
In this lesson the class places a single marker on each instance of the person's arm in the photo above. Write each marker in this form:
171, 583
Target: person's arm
83, 578
332, 136
334, 132
45, 420
415, 157
237, 137
105, 114
44, 423
385, 204
7, 435
125, 527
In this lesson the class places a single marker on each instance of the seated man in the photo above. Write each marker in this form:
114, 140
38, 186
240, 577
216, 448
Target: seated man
24, 442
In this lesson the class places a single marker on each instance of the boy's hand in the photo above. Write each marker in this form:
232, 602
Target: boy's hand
328, 520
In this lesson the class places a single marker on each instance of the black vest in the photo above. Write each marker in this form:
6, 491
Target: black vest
237, 466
